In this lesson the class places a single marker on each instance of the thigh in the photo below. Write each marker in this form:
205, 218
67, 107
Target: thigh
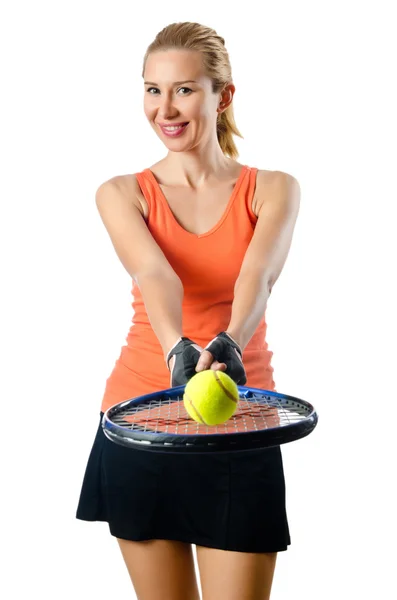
160, 569
235, 575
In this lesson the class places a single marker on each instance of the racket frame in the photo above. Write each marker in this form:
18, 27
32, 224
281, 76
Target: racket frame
213, 443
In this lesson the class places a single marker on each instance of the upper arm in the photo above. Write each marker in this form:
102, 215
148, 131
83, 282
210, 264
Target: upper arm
135, 246
271, 241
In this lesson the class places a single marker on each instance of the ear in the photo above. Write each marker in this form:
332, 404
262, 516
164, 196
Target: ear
226, 97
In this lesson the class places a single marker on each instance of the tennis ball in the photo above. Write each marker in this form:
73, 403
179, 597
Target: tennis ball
211, 397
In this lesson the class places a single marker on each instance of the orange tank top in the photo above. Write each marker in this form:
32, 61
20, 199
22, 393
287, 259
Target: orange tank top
208, 292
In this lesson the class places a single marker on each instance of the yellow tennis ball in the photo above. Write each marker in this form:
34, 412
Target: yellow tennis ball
211, 397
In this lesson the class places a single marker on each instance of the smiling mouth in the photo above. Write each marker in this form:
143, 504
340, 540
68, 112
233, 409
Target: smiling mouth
173, 131
173, 127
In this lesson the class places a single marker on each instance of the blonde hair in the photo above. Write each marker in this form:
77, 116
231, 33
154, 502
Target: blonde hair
193, 36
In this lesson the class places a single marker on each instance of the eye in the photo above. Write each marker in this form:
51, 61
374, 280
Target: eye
182, 88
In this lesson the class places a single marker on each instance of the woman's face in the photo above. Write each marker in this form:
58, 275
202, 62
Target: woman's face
178, 92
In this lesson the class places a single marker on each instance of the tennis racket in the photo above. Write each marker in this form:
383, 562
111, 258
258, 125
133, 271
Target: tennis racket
158, 422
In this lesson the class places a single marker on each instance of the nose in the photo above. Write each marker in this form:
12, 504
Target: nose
166, 108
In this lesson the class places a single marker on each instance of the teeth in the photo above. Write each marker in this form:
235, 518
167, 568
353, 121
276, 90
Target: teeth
173, 128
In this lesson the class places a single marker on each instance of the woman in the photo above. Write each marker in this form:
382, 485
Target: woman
204, 239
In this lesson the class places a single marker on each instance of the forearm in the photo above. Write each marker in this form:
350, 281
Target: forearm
250, 299
163, 295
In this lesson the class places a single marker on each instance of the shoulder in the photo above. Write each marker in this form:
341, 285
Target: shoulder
269, 183
266, 179
129, 187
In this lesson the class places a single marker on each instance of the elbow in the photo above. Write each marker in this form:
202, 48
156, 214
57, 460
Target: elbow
260, 279
156, 273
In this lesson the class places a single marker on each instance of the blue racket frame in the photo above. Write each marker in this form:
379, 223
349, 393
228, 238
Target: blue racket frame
208, 442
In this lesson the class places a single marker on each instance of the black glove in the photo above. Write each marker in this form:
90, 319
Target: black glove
225, 350
187, 354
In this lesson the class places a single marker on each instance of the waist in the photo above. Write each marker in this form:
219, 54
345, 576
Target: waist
141, 370
144, 355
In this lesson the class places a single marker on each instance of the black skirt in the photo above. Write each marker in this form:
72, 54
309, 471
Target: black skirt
230, 501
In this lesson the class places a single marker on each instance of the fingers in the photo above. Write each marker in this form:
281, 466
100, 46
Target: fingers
217, 366
206, 361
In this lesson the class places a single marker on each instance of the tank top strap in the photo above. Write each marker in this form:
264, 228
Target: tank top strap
147, 188
246, 195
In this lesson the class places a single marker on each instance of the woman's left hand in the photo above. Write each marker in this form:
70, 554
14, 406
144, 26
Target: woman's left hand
224, 346
207, 361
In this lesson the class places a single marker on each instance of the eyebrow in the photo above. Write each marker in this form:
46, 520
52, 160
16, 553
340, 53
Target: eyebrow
175, 82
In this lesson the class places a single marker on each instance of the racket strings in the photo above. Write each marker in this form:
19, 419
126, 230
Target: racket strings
167, 414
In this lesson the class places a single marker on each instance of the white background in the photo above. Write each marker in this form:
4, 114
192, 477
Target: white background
315, 98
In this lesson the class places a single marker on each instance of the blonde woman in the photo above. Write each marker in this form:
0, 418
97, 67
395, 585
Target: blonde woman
204, 239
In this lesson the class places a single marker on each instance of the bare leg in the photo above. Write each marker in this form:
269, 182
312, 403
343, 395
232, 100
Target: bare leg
161, 569
235, 575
